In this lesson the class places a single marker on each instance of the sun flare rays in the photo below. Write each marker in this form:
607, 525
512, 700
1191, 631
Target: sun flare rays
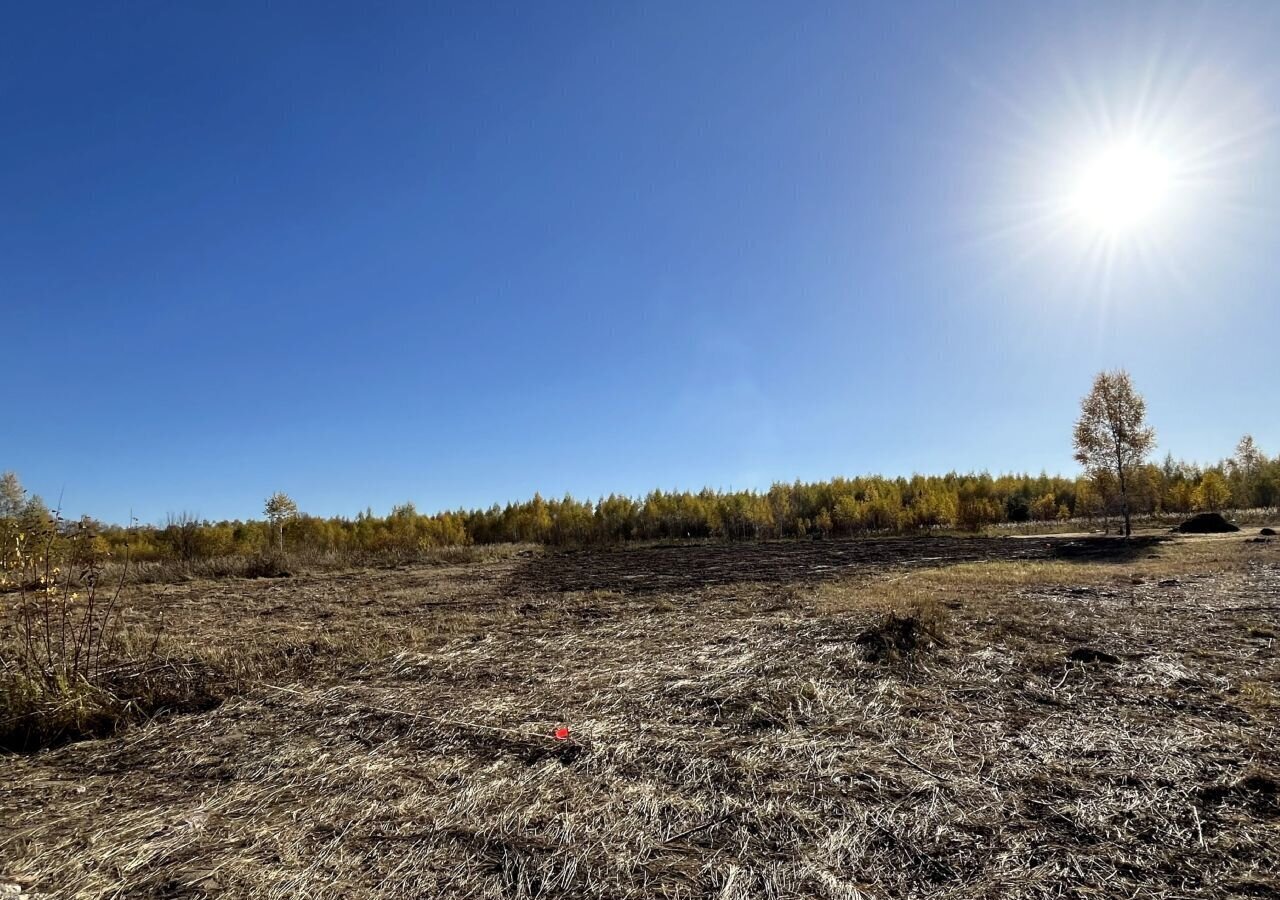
1123, 178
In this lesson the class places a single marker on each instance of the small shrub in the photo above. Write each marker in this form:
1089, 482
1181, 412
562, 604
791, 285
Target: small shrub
68, 669
900, 636
266, 566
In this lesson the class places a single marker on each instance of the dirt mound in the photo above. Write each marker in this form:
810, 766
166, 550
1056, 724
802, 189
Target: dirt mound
1207, 523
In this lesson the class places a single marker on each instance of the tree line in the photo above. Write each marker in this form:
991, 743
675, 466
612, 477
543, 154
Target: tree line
839, 507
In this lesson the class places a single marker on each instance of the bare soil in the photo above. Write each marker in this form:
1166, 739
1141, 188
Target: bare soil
1051, 718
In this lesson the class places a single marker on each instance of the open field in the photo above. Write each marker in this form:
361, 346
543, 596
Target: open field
987, 717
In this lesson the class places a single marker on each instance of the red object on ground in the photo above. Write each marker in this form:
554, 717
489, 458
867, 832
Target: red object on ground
561, 733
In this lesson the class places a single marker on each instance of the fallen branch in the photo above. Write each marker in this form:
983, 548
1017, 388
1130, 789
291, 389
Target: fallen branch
915, 765
702, 827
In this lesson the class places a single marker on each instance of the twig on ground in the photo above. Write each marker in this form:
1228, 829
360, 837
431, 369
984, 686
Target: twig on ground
915, 765
705, 825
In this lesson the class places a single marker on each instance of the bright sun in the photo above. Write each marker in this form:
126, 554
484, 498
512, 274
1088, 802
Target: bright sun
1121, 188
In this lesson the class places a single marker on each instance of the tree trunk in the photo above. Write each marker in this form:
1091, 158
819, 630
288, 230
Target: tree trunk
1124, 504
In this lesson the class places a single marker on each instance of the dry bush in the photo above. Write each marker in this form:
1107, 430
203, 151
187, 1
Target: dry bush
62, 639
70, 666
903, 636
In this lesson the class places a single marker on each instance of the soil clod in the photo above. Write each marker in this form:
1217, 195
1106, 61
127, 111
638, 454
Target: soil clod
1092, 655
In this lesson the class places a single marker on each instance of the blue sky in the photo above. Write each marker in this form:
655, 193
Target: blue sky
366, 253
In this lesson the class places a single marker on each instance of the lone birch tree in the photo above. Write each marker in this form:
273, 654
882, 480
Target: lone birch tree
280, 510
1112, 435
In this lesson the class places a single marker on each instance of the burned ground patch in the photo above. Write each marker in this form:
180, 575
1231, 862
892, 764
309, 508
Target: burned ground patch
680, 567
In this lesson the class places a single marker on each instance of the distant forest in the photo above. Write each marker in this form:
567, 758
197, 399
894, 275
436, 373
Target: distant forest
837, 508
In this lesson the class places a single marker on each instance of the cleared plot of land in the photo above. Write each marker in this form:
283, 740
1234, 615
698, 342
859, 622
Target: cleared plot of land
1061, 718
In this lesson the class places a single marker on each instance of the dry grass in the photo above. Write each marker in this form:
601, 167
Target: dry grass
1198, 556
272, 565
731, 740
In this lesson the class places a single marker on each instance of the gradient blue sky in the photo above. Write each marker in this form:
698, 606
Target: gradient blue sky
367, 253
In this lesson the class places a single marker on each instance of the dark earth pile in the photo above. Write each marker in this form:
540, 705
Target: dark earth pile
1207, 523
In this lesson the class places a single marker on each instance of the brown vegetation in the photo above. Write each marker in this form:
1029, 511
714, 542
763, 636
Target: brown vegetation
1052, 717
